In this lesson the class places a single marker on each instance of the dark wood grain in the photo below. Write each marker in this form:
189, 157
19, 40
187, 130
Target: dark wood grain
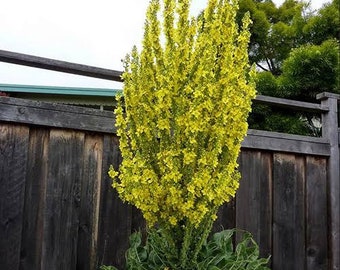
254, 198
13, 157
89, 208
225, 217
31, 247
288, 212
138, 223
55, 115
316, 214
280, 142
330, 131
62, 200
41, 113
115, 219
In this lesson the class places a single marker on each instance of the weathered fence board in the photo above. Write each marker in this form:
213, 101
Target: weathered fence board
115, 217
62, 200
254, 198
89, 202
61, 66
58, 210
288, 212
225, 217
13, 156
280, 142
331, 132
55, 115
31, 249
316, 213
291, 104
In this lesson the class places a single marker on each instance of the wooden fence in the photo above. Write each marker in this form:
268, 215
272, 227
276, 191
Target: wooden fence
58, 211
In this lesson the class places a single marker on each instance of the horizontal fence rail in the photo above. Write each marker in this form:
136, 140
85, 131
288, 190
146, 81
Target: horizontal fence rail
274, 141
61, 66
80, 118
291, 104
38, 113
56, 115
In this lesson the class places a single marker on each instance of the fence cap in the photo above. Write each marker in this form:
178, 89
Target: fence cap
326, 95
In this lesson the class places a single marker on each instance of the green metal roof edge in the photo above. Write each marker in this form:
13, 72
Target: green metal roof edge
59, 90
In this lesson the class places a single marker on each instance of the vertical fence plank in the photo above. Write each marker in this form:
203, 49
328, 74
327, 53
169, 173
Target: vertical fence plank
330, 131
254, 198
13, 157
31, 247
62, 200
316, 214
138, 223
115, 217
89, 209
225, 217
288, 212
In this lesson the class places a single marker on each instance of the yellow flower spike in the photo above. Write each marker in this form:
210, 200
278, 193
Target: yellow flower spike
183, 117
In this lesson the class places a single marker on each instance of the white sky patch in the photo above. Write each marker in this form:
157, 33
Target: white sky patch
91, 32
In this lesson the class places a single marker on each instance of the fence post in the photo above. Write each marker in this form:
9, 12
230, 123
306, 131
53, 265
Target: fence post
330, 132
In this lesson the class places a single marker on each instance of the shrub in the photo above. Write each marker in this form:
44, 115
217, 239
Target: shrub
181, 123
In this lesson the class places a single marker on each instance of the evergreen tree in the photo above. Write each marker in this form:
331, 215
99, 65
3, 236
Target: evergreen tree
296, 51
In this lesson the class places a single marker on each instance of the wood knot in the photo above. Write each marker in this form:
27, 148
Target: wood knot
22, 110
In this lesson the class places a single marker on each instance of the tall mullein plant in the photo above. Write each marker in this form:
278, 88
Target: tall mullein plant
187, 96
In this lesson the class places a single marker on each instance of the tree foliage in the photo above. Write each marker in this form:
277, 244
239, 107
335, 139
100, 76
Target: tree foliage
274, 31
324, 25
309, 70
296, 51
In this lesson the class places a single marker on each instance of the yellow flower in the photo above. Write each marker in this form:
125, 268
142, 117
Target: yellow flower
187, 95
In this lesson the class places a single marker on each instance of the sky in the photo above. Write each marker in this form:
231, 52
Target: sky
91, 32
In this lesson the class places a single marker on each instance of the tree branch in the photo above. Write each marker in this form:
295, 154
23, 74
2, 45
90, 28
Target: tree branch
263, 68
